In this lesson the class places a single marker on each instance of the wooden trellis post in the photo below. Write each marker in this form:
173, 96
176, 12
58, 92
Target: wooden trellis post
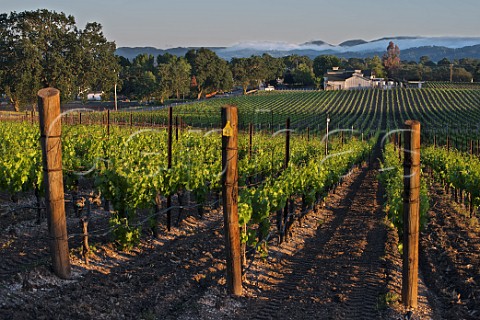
284, 233
250, 140
411, 213
169, 164
50, 139
176, 128
230, 198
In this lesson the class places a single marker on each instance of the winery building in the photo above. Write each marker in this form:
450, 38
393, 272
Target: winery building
339, 79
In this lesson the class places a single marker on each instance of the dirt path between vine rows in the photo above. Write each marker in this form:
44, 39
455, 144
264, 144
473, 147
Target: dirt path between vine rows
450, 256
339, 272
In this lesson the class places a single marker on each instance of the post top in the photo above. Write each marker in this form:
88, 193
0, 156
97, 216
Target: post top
412, 123
48, 92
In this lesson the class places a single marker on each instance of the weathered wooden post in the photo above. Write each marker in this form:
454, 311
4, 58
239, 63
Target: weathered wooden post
250, 140
169, 164
176, 128
50, 139
411, 213
271, 121
108, 122
284, 234
287, 145
85, 246
399, 145
230, 198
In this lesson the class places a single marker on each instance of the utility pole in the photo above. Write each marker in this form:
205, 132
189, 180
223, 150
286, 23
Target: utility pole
451, 72
115, 89
116, 108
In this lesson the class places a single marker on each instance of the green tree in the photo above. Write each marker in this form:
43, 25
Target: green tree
444, 63
100, 68
356, 64
145, 81
174, 76
471, 65
274, 68
295, 69
293, 61
323, 63
19, 81
165, 58
426, 61
248, 71
44, 48
375, 64
408, 72
441, 73
165, 87
303, 75
240, 73
211, 72
37, 48
461, 75
140, 80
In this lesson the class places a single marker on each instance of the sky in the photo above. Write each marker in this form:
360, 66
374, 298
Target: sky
173, 23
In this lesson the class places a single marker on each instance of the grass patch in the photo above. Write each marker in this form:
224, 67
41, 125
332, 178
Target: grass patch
389, 299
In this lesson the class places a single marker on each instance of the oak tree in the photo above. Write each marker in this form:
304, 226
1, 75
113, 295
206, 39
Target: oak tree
45, 49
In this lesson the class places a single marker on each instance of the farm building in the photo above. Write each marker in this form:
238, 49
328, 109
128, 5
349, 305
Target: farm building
91, 96
95, 96
415, 84
339, 79
267, 88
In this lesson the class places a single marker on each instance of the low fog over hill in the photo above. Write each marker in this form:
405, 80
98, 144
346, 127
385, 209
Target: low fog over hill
412, 48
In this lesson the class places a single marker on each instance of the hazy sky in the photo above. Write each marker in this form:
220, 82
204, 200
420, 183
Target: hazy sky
164, 24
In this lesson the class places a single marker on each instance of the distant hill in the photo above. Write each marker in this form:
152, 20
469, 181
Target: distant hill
352, 43
411, 48
438, 53
130, 53
316, 43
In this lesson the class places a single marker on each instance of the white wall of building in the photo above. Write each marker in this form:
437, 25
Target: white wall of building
357, 82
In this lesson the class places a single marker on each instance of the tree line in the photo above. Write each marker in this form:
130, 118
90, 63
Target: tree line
201, 72
45, 48
458, 70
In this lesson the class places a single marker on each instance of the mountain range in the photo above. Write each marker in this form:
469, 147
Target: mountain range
411, 48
